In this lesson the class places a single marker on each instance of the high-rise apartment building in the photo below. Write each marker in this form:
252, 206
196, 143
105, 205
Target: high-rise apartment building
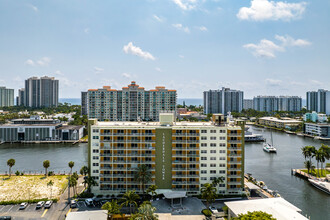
6, 97
41, 92
318, 101
223, 101
181, 156
132, 103
20, 101
84, 103
277, 103
247, 104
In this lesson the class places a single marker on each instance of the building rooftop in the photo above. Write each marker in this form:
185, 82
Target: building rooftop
70, 127
278, 207
88, 215
288, 120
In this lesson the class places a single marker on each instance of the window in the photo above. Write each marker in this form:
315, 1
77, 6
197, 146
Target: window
222, 145
204, 131
95, 164
222, 171
95, 144
213, 151
213, 138
204, 151
222, 185
203, 138
213, 165
222, 131
95, 137
213, 158
95, 130
222, 138
213, 131
95, 151
212, 178
203, 171
222, 165
203, 178
213, 145
222, 158
95, 171
203, 165
203, 144
203, 158
95, 157
222, 151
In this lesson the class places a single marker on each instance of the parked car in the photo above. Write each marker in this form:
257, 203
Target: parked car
5, 218
40, 204
89, 202
23, 205
48, 204
213, 209
73, 204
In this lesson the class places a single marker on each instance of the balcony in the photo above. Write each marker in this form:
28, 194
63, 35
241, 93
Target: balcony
234, 162
234, 135
234, 141
234, 169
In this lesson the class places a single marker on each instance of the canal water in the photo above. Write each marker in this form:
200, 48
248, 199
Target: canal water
273, 169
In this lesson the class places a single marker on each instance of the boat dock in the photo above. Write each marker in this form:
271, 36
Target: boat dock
299, 173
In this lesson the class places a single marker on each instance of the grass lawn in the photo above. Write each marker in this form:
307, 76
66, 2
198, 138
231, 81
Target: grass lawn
323, 174
31, 187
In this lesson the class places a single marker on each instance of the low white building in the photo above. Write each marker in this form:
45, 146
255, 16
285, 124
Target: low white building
320, 130
279, 208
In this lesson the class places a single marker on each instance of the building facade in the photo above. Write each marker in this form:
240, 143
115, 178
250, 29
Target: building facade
315, 117
320, 130
278, 123
247, 104
20, 101
6, 97
84, 103
132, 103
277, 103
223, 101
182, 156
318, 101
41, 92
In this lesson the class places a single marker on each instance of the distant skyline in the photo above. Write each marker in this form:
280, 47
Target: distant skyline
261, 47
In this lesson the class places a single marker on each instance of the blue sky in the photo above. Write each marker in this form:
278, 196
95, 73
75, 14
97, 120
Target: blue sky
259, 46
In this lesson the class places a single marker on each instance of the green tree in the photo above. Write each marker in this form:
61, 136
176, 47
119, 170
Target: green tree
142, 175
256, 215
318, 158
208, 192
152, 190
50, 184
217, 181
130, 198
10, 163
326, 153
112, 207
84, 171
71, 165
73, 184
145, 212
89, 181
46, 165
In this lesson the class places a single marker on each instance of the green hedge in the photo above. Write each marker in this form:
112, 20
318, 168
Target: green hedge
327, 165
14, 202
207, 212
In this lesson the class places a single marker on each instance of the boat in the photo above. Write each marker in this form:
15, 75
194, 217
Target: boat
250, 137
269, 148
323, 186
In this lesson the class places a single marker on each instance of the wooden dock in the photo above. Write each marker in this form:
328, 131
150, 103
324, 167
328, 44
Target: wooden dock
299, 173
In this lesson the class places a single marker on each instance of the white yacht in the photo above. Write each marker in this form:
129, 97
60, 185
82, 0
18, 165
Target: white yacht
269, 148
324, 186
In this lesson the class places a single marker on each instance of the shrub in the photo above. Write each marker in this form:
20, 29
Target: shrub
51, 173
14, 202
207, 212
17, 173
327, 165
22, 174
99, 196
86, 195
225, 210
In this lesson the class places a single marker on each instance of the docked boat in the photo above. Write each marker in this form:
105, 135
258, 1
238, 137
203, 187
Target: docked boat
324, 186
269, 148
250, 137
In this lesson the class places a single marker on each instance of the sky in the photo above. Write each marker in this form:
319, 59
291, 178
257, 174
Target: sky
261, 47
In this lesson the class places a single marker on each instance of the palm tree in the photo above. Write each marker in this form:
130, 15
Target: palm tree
142, 175
152, 190
318, 158
112, 207
208, 193
322, 158
84, 171
306, 151
71, 165
50, 184
73, 184
46, 165
10, 163
308, 165
130, 198
90, 182
145, 212
217, 181
326, 151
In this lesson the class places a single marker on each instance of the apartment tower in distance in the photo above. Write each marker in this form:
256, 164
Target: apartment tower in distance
39, 92
6, 97
181, 156
318, 101
84, 103
223, 101
277, 103
132, 103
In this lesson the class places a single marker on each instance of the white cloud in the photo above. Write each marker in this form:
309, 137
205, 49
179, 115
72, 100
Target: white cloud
157, 18
87, 30
42, 62
288, 41
186, 4
98, 70
59, 73
126, 75
181, 56
158, 69
273, 82
267, 48
131, 49
34, 8
261, 10
202, 28
181, 28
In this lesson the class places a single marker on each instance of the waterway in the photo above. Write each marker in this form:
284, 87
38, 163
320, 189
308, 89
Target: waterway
273, 169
